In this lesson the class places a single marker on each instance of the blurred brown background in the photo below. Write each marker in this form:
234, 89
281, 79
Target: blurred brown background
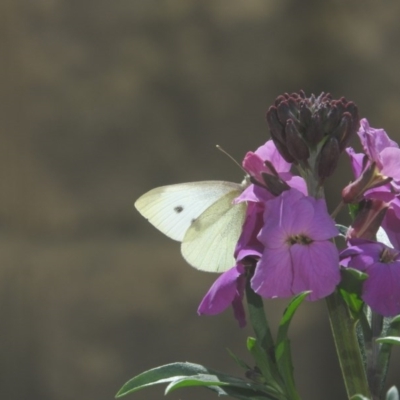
103, 100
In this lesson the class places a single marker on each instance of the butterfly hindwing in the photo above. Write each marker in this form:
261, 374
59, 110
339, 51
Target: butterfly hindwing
210, 241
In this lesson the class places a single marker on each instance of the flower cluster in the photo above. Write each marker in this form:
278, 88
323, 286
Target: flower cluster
287, 241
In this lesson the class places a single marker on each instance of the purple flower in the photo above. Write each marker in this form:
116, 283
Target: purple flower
381, 290
378, 176
229, 288
378, 171
380, 149
298, 254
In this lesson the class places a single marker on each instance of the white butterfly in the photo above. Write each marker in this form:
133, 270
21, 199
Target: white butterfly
202, 216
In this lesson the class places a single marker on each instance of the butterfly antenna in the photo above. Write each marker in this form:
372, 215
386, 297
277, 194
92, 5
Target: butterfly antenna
227, 154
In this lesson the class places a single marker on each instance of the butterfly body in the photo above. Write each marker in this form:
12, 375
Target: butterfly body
202, 216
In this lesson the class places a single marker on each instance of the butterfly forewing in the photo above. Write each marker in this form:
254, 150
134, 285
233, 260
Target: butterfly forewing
173, 208
210, 241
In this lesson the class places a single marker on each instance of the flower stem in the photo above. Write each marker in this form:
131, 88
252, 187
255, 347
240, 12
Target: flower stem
259, 321
344, 334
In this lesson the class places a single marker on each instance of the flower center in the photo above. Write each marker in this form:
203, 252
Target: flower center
388, 256
299, 239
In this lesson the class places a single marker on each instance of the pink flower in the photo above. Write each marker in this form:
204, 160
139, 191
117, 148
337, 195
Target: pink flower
298, 254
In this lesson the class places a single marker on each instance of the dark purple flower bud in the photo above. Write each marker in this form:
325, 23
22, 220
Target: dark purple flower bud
305, 117
275, 126
328, 158
355, 118
332, 119
278, 133
284, 112
283, 151
314, 133
274, 184
343, 131
296, 145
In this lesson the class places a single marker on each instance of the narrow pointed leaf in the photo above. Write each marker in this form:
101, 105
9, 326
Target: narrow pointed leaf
263, 362
283, 351
239, 361
259, 321
243, 394
169, 373
390, 340
213, 382
195, 380
395, 326
288, 315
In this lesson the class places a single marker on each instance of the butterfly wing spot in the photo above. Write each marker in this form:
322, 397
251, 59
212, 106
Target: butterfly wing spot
178, 209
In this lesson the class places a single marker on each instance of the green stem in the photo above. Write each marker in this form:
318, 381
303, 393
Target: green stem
374, 370
259, 321
265, 357
347, 347
384, 353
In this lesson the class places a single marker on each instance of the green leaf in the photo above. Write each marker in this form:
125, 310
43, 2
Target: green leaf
282, 351
239, 361
353, 210
259, 321
194, 380
262, 348
359, 397
243, 394
263, 362
389, 340
350, 288
392, 394
169, 373
235, 389
288, 315
394, 328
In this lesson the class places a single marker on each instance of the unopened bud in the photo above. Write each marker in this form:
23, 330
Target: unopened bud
278, 133
296, 145
328, 158
274, 184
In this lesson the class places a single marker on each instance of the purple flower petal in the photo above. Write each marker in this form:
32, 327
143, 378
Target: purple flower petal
381, 290
390, 158
273, 275
356, 160
316, 268
268, 151
298, 255
222, 293
374, 141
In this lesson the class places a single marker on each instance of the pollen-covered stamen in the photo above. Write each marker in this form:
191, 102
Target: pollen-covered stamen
388, 256
299, 239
